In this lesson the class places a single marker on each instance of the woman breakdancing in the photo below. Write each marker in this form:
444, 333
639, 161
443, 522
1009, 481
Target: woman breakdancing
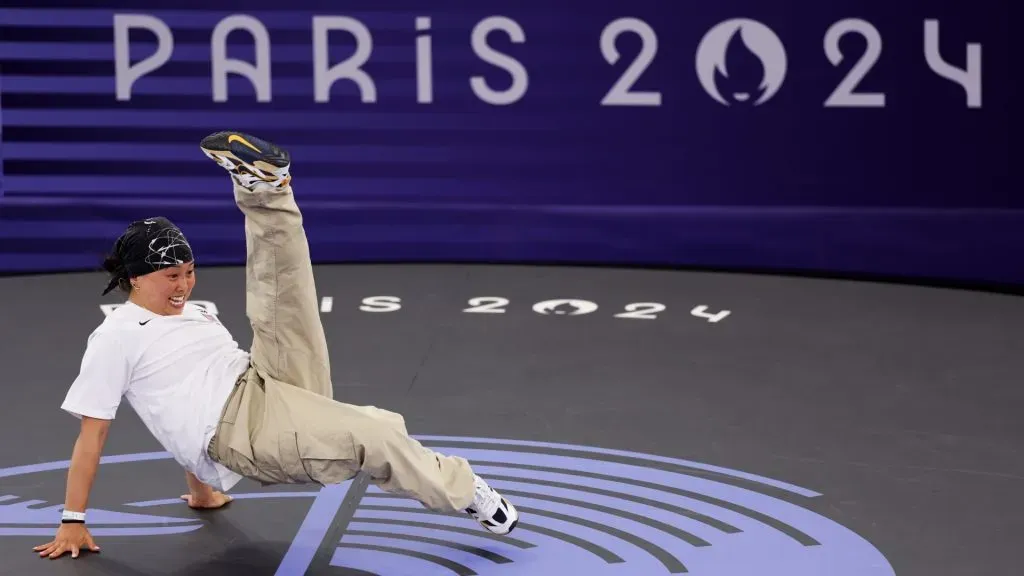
224, 413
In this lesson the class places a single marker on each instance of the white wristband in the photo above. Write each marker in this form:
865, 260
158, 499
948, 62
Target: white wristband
72, 516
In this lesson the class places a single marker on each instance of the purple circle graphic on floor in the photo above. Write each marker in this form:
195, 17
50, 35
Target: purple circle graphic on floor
583, 510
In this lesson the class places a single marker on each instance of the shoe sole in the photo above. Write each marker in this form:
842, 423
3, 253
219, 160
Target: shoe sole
245, 149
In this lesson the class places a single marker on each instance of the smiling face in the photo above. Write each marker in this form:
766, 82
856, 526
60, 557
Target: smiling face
165, 291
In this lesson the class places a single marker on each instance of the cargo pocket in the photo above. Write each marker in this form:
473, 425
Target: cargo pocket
289, 461
325, 460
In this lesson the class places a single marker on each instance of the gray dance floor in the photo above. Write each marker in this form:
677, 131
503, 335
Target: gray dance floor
644, 422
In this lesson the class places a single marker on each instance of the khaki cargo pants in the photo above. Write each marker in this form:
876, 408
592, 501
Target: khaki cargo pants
281, 424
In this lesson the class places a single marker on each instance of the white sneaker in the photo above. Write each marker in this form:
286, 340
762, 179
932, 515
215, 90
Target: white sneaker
491, 510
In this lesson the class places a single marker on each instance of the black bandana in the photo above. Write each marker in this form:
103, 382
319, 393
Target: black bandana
147, 246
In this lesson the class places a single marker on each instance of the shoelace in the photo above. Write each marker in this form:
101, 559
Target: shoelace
249, 176
248, 180
485, 500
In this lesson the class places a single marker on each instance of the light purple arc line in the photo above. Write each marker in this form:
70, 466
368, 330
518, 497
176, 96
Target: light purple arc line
329, 499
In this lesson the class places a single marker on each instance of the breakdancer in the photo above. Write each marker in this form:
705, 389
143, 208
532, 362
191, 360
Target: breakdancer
224, 413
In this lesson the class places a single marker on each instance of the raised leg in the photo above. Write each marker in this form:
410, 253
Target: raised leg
278, 427
281, 301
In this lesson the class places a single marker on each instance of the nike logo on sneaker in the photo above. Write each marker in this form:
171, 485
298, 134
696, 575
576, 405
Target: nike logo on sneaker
243, 141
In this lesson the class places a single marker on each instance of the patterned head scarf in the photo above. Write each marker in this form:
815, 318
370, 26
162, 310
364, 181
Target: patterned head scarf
147, 246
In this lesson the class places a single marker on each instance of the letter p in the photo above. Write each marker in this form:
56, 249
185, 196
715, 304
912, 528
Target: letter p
125, 73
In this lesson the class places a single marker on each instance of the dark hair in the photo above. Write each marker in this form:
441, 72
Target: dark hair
113, 265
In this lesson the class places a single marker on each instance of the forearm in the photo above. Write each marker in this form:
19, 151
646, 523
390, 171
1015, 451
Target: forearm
85, 460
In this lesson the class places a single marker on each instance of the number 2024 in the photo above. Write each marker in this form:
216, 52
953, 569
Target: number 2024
571, 307
845, 93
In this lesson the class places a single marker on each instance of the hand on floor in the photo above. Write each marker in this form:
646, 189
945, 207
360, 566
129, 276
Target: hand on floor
71, 538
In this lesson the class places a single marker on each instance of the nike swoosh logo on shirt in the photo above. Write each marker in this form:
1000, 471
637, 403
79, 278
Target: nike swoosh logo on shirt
141, 323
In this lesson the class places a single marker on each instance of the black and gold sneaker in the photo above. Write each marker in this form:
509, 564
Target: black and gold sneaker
248, 159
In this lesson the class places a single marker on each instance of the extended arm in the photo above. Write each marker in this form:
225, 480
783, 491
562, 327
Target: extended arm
85, 460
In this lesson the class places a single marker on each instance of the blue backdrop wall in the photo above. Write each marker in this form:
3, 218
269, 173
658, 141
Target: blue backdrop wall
851, 137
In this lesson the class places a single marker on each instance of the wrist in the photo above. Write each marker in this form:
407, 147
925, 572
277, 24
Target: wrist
72, 517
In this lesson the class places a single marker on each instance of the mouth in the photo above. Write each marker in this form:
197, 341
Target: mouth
177, 301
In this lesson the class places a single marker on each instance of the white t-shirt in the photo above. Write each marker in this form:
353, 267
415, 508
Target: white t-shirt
176, 372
